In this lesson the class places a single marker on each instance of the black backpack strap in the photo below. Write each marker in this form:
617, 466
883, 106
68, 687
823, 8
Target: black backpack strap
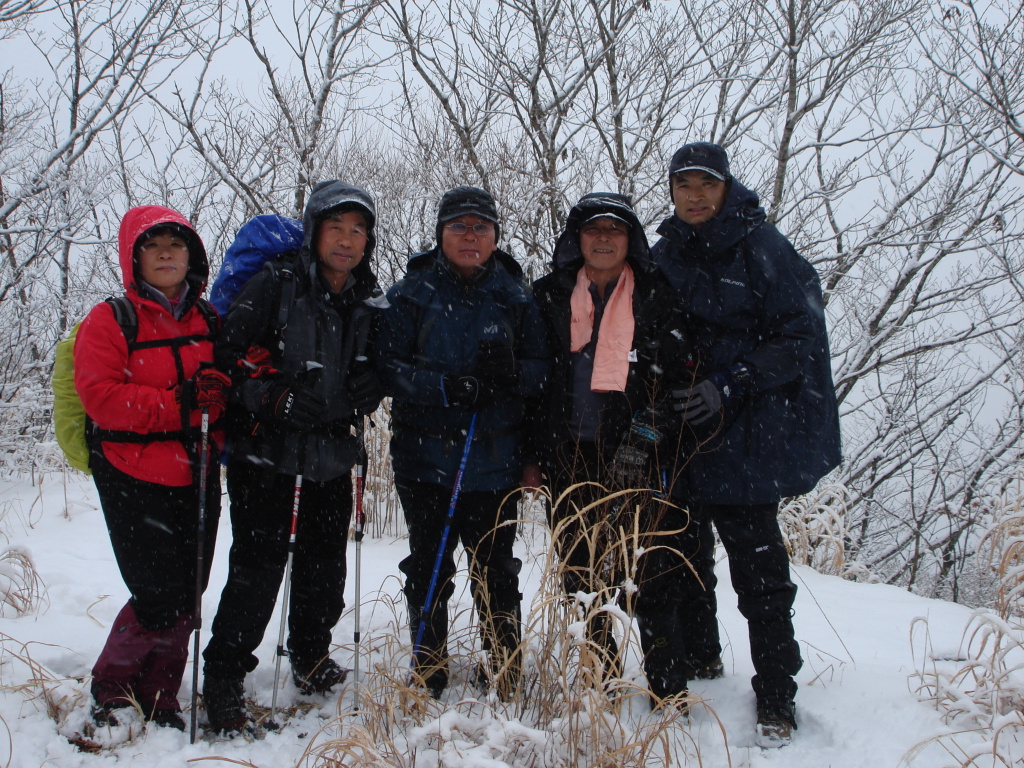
124, 314
286, 279
285, 285
210, 315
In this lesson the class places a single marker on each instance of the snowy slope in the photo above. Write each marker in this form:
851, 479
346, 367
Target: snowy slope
856, 706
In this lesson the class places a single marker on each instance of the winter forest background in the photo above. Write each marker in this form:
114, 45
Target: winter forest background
883, 136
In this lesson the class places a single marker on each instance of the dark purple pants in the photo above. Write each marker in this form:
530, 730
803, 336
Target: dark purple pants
154, 534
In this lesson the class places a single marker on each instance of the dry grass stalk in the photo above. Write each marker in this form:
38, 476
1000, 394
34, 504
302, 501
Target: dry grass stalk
21, 589
981, 691
567, 711
814, 528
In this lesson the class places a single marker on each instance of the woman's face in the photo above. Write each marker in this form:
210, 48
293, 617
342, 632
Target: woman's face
468, 251
163, 262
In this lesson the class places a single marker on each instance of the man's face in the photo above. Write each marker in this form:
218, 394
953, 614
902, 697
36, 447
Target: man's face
340, 243
698, 196
468, 251
604, 243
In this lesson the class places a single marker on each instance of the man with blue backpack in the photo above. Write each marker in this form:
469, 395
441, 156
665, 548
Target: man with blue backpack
294, 344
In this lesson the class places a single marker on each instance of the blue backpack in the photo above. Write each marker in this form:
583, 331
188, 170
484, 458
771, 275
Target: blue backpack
261, 239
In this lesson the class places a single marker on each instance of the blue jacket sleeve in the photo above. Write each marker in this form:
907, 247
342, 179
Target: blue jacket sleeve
788, 328
394, 354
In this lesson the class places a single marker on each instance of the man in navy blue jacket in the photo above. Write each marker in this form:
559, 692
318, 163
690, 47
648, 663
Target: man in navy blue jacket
461, 347
763, 395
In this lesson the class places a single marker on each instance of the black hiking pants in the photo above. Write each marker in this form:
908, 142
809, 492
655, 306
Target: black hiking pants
759, 569
261, 514
487, 530
154, 534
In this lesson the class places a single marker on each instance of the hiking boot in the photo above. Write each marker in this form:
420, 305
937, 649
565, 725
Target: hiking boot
318, 677
168, 718
225, 707
775, 725
712, 670
678, 702
504, 682
105, 714
435, 682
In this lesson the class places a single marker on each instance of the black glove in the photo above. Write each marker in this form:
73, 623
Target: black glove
697, 404
296, 406
631, 465
495, 369
364, 391
460, 389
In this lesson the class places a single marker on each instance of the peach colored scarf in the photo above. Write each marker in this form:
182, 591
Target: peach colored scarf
615, 334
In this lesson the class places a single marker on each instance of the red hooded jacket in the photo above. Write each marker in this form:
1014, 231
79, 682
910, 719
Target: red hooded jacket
139, 392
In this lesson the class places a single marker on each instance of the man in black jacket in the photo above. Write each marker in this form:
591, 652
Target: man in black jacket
764, 392
294, 345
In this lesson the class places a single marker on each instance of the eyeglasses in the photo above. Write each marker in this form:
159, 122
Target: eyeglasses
458, 228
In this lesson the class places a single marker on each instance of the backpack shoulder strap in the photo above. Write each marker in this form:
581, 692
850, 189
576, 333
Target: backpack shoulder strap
127, 319
209, 314
283, 271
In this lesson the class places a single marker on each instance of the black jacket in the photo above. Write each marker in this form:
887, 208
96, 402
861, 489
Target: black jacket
661, 346
316, 346
750, 298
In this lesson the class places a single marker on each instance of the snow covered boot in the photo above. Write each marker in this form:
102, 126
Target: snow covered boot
119, 668
318, 676
776, 722
710, 670
168, 718
106, 715
225, 706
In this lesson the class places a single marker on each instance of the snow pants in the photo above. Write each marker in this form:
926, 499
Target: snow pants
261, 514
487, 530
759, 568
154, 534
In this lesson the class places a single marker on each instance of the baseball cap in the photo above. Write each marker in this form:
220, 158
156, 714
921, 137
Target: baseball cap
701, 156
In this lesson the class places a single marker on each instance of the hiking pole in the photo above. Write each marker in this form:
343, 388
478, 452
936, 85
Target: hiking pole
428, 602
362, 335
286, 594
360, 522
197, 616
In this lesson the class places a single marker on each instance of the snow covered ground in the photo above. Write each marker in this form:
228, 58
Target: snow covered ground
856, 707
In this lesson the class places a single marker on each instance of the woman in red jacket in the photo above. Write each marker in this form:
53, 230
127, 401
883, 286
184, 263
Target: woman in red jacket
144, 399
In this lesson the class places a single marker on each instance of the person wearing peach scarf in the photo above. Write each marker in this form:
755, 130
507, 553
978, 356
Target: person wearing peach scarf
617, 345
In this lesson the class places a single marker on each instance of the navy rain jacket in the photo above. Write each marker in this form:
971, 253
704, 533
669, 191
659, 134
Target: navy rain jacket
751, 298
433, 325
